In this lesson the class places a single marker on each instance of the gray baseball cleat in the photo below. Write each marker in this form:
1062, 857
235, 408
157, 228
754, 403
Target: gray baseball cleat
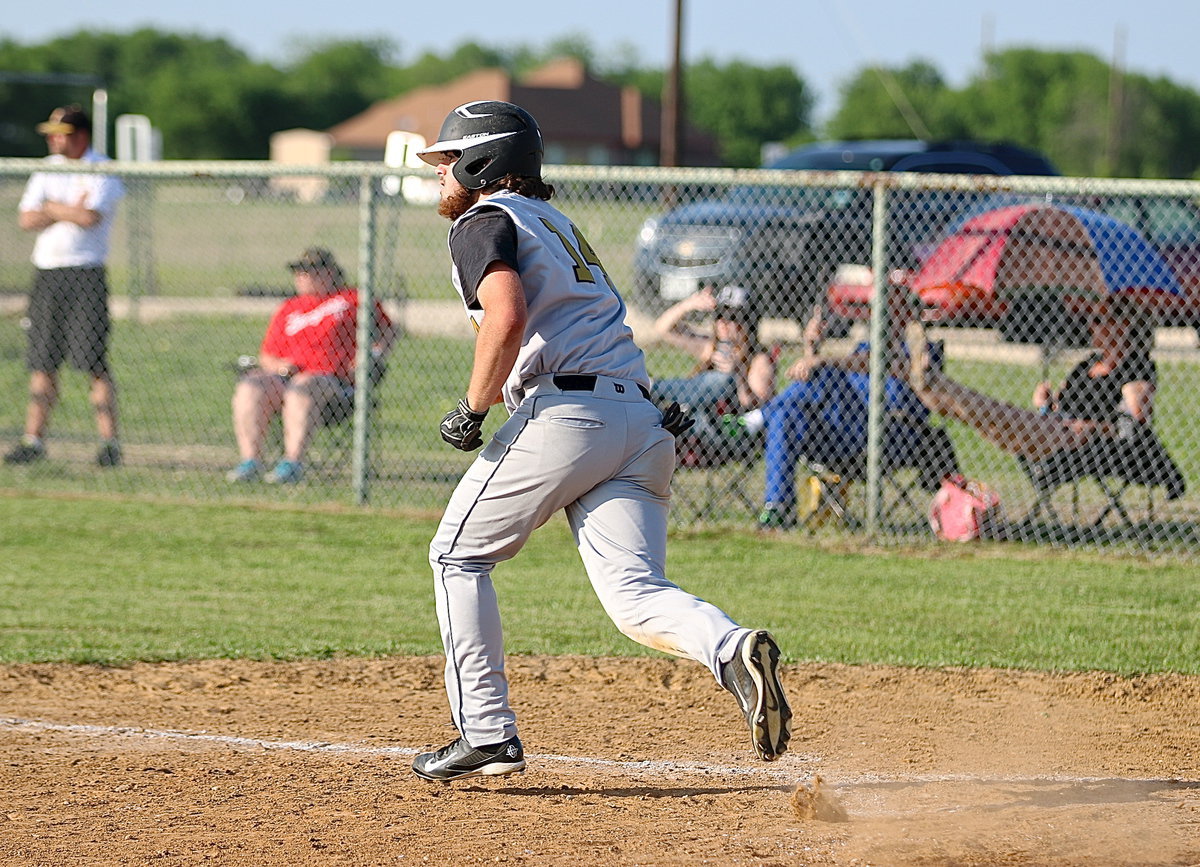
753, 678
458, 760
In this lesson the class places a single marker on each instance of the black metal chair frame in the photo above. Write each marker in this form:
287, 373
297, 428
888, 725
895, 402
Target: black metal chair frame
1115, 467
930, 461
724, 471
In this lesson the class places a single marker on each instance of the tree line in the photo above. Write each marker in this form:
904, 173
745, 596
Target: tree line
211, 100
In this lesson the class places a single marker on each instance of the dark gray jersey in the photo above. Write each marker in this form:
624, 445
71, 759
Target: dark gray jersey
576, 318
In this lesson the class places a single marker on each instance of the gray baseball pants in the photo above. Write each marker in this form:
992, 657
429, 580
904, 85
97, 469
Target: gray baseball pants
603, 457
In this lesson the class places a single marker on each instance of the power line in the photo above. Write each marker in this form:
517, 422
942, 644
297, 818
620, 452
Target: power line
890, 85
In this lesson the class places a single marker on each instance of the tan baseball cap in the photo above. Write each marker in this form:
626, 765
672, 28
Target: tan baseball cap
64, 121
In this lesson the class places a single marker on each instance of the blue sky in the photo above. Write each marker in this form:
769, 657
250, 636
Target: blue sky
824, 41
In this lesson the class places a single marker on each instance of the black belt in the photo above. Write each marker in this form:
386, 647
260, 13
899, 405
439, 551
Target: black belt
585, 382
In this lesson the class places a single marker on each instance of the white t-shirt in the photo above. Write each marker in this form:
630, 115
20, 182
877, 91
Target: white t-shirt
66, 245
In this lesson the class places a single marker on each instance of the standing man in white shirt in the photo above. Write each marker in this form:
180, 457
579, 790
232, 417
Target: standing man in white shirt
68, 306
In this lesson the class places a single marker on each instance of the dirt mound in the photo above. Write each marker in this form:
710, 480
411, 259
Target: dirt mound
630, 762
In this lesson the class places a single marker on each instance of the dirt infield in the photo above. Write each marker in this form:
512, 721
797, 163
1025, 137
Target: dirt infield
631, 762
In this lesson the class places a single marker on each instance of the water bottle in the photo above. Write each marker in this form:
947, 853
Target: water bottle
732, 426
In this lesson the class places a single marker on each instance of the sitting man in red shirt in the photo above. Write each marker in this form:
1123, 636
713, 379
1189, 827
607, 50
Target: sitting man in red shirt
306, 363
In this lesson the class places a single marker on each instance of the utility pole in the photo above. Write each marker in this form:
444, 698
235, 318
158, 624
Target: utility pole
1116, 99
987, 38
672, 103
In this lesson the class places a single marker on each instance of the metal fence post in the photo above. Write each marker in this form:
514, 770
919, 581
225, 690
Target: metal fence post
365, 335
878, 364
140, 219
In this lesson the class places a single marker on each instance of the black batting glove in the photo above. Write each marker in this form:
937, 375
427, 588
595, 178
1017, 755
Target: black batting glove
461, 427
676, 421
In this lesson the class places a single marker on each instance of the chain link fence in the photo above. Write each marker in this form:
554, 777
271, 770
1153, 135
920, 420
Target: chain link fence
999, 284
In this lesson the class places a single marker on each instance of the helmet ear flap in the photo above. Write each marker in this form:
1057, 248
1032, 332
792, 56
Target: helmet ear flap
470, 174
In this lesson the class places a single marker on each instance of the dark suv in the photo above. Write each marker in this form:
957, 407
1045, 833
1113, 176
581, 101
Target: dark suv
785, 243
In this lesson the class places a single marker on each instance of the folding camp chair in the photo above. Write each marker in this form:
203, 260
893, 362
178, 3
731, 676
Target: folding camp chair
1113, 467
916, 457
714, 473
331, 454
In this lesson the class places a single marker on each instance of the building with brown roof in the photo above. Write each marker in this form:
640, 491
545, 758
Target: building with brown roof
583, 120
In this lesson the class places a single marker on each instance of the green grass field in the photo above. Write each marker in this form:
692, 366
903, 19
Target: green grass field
113, 579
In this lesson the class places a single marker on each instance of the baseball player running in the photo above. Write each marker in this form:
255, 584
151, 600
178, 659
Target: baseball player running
582, 436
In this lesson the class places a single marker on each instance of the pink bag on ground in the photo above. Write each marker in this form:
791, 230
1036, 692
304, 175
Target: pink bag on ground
964, 509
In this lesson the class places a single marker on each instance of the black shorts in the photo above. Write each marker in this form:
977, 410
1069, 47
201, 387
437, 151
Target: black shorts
68, 319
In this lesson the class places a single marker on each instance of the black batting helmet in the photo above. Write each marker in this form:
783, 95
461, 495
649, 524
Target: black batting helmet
494, 139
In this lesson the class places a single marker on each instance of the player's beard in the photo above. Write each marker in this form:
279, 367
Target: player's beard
454, 204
